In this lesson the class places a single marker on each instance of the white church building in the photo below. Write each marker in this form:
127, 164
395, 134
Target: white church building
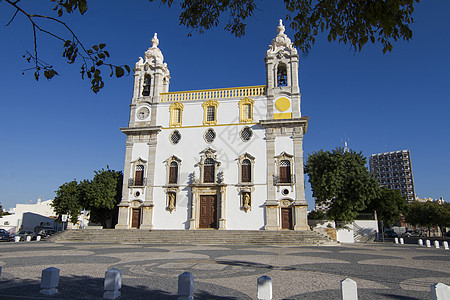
226, 159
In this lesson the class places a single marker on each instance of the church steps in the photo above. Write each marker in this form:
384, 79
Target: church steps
203, 237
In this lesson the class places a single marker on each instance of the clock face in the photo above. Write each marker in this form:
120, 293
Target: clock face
143, 113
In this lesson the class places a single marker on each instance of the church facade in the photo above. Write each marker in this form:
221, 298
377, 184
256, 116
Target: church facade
226, 159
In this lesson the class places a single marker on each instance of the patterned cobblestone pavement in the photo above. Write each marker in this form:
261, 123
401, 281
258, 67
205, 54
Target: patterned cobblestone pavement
382, 271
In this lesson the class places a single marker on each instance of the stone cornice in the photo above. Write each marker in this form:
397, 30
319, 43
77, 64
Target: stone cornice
287, 123
141, 130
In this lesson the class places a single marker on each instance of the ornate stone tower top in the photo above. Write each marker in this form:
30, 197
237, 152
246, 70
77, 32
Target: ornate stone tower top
153, 55
151, 75
281, 43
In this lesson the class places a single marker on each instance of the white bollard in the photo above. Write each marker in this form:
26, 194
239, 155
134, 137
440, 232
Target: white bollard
186, 286
440, 291
113, 283
264, 288
445, 244
28, 238
396, 240
349, 289
428, 243
402, 241
420, 242
49, 281
436, 244
17, 239
38, 238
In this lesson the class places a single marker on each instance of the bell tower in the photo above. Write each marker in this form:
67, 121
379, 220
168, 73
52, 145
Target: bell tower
283, 90
151, 77
286, 206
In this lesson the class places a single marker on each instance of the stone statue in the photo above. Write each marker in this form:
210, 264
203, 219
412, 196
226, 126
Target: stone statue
246, 203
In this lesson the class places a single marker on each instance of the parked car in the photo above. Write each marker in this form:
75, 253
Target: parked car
389, 233
43, 233
23, 235
5, 236
413, 234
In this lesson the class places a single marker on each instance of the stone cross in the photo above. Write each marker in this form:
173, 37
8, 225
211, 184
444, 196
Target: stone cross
349, 289
49, 281
186, 286
440, 291
264, 288
113, 283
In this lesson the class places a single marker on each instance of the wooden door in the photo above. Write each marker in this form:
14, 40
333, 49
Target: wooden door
136, 218
208, 211
286, 218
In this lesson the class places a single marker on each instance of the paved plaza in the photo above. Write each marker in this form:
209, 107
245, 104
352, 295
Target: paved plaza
381, 270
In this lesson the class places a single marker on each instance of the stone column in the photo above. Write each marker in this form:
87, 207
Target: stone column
222, 219
300, 204
193, 208
272, 222
147, 206
123, 221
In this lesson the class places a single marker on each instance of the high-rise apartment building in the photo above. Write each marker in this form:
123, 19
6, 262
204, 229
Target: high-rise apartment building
393, 170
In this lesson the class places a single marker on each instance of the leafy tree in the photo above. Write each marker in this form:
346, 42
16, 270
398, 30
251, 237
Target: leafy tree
316, 215
389, 205
3, 212
93, 59
342, 177
68, 200
429, 214
102, 195
353, 22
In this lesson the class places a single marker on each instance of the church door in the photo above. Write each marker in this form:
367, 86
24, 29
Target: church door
286, 218
208, 211
136, 218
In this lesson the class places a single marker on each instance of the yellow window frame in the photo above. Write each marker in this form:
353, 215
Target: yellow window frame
173, 107
243, 118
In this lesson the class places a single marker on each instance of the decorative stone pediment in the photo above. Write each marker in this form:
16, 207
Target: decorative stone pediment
284, 155
139, 161
208, 153
171, 159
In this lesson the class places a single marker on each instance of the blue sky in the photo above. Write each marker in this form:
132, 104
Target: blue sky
55, 131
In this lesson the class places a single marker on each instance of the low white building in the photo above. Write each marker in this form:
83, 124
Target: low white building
29, 216
227, 158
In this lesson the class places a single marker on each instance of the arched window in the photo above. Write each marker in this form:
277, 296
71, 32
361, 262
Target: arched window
285, 171
246, 171
139, 175
281, 75
246, 110
173, 173
146, 85
208, 171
